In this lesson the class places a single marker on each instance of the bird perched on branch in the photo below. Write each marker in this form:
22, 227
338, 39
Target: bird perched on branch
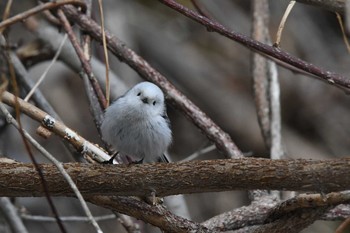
137, 125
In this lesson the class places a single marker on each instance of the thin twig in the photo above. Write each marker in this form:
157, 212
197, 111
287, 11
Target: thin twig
283, 22
40, 218
104, 43
200, 9
40, 8
199, 152
86, 38
276, 150
42, 77
6, 13
346, 41
85, 63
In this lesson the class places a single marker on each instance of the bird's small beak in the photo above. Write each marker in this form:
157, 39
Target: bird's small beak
145, 100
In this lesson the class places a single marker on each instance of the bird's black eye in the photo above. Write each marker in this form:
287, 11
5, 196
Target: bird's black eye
138, 94
154, 102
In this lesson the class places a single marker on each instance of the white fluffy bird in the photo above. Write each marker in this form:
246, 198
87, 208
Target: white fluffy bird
137, 126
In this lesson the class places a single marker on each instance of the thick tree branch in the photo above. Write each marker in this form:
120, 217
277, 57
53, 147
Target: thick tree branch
19, 179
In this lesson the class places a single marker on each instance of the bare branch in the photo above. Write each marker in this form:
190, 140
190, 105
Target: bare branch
66, 218
260, 69
156, 215
266, 50
180, 178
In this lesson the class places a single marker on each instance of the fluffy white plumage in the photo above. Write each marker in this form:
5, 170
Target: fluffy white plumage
137, 126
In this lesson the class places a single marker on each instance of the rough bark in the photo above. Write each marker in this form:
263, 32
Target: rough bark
18, 179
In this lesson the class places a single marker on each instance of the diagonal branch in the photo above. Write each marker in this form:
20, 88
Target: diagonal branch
264, 49
49, 122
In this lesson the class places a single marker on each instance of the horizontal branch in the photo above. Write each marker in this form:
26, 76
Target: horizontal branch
18, 179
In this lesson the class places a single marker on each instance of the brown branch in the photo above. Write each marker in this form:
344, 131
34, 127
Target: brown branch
84, 61
264, 49
155, 215
38, 9
221, 139
180, 178
15, 178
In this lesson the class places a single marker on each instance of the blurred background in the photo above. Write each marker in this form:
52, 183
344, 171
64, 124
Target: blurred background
213, 71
